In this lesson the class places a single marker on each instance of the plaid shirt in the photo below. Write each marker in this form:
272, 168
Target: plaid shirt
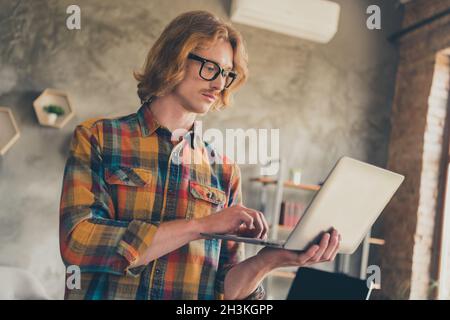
122, 179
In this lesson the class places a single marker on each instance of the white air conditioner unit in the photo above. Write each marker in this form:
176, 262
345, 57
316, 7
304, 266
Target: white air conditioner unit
315, 20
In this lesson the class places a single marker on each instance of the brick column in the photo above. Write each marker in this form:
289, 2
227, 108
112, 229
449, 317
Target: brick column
415, 150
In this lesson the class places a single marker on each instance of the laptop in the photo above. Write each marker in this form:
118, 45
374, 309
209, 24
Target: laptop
314, 284
352, 197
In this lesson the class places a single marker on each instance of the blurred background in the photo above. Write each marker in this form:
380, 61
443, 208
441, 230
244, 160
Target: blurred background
332, 84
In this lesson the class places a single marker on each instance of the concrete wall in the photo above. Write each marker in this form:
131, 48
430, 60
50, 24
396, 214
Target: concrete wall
328, 100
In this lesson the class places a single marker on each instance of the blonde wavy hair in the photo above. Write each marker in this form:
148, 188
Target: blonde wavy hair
164, 66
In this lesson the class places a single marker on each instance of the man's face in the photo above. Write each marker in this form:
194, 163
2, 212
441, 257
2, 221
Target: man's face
196, 94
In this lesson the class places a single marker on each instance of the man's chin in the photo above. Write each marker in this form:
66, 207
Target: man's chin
201, 109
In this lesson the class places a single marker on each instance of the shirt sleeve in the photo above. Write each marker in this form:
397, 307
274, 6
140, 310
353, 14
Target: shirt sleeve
231, 252
90, 237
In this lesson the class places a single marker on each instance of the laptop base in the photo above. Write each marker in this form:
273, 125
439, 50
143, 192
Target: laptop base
266, 243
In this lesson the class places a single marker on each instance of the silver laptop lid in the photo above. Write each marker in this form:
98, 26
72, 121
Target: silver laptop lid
351, 199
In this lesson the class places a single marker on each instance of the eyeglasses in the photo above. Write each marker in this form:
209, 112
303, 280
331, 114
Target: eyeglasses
210, 70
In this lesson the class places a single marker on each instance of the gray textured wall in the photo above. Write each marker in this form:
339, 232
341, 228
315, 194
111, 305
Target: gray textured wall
328, 100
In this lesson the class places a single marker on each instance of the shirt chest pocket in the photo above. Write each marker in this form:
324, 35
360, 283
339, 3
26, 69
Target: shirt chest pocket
204, 200
132, 191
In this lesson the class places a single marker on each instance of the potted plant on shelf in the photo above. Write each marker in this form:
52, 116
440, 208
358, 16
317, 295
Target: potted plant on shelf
52, 112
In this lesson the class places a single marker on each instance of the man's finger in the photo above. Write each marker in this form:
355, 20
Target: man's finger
331, 245
306, 256
336, 250
259, 226
266, 226
322, 246
246, 219
259, 221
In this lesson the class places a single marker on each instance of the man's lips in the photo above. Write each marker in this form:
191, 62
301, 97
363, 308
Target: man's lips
209, 96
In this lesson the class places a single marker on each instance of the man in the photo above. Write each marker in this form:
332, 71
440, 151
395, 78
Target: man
133, 205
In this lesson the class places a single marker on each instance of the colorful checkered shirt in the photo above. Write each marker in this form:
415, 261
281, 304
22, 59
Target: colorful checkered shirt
120, 183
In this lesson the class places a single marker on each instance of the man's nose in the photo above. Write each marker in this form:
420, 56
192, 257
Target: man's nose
218, 83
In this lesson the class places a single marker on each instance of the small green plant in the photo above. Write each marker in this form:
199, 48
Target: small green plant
54, 109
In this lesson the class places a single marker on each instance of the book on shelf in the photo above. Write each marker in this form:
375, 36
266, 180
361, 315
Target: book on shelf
291, 212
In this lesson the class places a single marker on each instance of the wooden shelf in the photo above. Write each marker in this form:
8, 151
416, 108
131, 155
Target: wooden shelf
377, 241
287, 184
283, 274
55, 97
9, 132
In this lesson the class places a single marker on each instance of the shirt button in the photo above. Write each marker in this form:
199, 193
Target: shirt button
157, 271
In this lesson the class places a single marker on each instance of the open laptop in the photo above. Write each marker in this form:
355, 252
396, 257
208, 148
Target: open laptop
351, 199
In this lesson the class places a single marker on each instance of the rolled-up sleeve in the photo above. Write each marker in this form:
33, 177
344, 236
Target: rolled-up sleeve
90, 237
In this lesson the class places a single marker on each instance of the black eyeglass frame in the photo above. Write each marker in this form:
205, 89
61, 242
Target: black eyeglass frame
221, 71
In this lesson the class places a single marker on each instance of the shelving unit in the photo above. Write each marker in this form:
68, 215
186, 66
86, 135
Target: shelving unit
280, 231
9, 132
281, 184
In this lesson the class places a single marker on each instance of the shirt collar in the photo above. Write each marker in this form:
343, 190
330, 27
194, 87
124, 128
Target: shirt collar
146, 119
149, 125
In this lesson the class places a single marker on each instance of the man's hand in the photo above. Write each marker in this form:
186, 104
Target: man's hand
244, 277
238, 220
325, 251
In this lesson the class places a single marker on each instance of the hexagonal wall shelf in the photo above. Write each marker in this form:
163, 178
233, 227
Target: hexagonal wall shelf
9, 132
53, 97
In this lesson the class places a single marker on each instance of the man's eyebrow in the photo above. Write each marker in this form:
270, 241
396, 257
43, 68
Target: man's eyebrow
225, 68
